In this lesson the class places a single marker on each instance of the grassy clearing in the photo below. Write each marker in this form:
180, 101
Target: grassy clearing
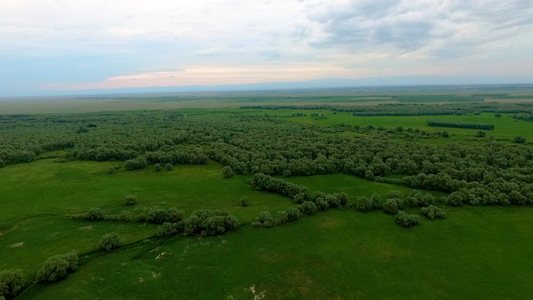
477, 252
506, 128
351, 185
37, 198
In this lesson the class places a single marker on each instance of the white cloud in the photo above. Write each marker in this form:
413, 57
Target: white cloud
380, 37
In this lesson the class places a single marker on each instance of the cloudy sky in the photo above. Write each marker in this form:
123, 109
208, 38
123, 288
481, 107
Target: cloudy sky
105, 44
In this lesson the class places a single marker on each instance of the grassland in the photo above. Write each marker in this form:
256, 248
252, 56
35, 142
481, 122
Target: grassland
505, 127
474, 253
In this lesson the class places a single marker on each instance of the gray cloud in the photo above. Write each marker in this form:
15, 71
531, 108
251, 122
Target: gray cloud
408, 26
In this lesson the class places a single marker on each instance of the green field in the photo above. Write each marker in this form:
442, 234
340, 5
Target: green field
477, 251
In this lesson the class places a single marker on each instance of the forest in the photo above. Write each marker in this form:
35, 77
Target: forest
414, 175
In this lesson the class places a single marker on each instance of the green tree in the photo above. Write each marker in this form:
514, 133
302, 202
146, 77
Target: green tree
110, 241
130, 200
11, 283
227, 172
57, 267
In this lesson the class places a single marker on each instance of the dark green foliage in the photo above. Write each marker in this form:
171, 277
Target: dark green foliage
376, 200
94, 214
432, 212
264, 182
307, 208
286, 173
161, 215
135, 164
363, 204
406, 220
498, 115
520, 139
281, 217
110, 241
210, 222
455, 199
445, 134
322, 204
168, 229
227, 172
158, 167
394, 194
299, 198
57, 267
11, 283
293, 213
130, 200
455, 124
481, 133
333, 200
265, 220
169, 166
111, 170
391, 206
244, 201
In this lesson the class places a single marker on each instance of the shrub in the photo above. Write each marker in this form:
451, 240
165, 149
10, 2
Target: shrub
307, 208
282, 217
227, 172
167, 228
135, 164
343, 198
161, 215
432, 212
111, 170
394, 194
293, 213
520, 139
158, 167
299, 198
392, 206
94, 214
2, 163
11, 282
333, 200
130, 200
124, 216
481, 133
445, 134
376, 200
265, 219
363, 204
455, 199
210, 222
406, 220
110, 241
286, 173
322, 204
428, 199
244, 201
57, 267
169, 166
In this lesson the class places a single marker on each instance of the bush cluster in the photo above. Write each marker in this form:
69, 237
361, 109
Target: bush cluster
210, 222
57, 267
110, 241
11, 283
432, 212
406, 220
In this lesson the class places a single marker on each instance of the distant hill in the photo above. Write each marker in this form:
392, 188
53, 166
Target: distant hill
312, 84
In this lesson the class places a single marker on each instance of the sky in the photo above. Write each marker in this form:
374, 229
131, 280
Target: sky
56, 45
